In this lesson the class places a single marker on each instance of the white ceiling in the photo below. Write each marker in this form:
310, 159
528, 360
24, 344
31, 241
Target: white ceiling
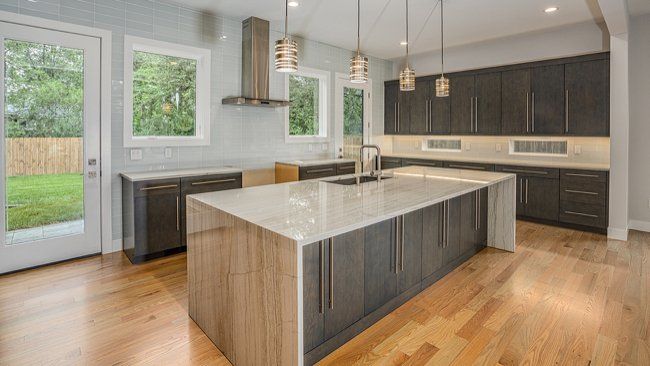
382, 21
638, 7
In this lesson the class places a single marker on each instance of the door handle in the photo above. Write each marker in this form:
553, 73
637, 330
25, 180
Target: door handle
527, 112
326, 170
213, 182
397, 244
476, 114
471, 114
521, 190
581, 175
524, 171
426, 118
430, 116
566, 110
155, 188
533, 111
331, 273
399, 117
479, 210
447, 227
321, 305
526, 191
476, 210
395, 119
401, 254
178, 214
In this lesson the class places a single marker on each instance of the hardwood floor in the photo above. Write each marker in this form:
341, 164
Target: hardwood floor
565, 297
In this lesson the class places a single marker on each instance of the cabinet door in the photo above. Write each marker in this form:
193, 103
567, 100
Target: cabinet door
487, 106
380, 284
313, 294
419, 105
346, 277
404, 112
482, 233
452, 249
515, 102
462, 104
391, 92
468, 221
317, 171
390, 163
411, 251
547, 100
157, 219
542, 198
432, 251
440, 113
587, 93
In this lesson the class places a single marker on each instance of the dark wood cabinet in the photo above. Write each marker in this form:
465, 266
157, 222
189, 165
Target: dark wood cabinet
346, 168
419, 106
468, 221
390, 163
391, 98
547, 100
432, 237
410, 251
317, 171
587, 98
469, 166
451, 233
482, 232
487, 104
422, 162
380, 264
333, 281
462, 104
538, 191
515, 102
584, 198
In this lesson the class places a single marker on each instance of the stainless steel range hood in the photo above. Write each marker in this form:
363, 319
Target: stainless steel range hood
255, 67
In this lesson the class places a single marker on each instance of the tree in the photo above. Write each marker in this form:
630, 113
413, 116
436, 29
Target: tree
303, 113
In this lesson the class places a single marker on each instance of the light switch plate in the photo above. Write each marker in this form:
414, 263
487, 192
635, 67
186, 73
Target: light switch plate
136, 154
168, 152
498, 147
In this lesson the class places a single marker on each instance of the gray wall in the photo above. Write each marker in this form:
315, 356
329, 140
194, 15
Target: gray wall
640, 121
241, 137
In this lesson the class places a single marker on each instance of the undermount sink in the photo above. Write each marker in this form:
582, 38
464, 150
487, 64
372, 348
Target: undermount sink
353, 180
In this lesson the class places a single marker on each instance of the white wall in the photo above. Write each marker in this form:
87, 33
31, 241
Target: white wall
561, 42
640, 122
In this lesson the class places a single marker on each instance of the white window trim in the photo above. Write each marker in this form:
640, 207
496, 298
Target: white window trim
323, 106
203, 64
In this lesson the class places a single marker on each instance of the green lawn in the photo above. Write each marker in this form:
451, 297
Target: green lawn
44, 199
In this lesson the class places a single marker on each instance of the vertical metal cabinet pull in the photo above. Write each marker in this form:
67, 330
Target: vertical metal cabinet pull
321, 306
476, 210
430, 115
401, 254
566, 110
532, 100
471, 113
447, 227
178, 214
476, 114
331, 273
521, 190
526, 190
395, 119
399, 118
479, 210
527, 112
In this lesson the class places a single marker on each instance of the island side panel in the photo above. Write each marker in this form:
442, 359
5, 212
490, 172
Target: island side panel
502, 214
243, 287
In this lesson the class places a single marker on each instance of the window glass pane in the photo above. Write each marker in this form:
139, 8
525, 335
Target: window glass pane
303, 113
164, 95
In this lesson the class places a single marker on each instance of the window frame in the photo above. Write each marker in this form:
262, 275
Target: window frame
202, 57
323, 106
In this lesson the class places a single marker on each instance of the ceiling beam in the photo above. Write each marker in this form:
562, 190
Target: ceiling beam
616, 16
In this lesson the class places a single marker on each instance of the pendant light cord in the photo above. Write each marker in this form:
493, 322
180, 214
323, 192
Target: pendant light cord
358, 27
286, 18
442, 38
407, 32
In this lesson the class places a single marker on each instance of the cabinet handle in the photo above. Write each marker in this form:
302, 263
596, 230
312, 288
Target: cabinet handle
396, 244
476, 114
155, 188
471, 114
178, 214
395, 119
524, 171
532, 100
476, 210
527, 112
447, 227
321, 306
526, 191
521, 190
326, 170
566, 111
580, 214
331, 273
581, 192
399, 118
581, 175
214, 182
430, 116
441, 222
426, 118
479, 209
401, 254
466, 167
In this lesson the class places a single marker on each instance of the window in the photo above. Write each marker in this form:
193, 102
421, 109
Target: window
306, 119
166, 94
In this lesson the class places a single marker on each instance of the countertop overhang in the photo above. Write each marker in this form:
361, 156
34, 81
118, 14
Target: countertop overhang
176, 173
306, 163
309, 211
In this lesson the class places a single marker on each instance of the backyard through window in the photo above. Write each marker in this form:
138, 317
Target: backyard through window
164, 95
304, 116
352, 123
44, 110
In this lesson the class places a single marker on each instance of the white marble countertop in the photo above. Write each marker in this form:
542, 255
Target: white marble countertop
177, 173
313, 210
305, 163
530, 163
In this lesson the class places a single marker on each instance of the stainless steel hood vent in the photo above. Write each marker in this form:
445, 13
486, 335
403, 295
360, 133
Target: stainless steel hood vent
255, 67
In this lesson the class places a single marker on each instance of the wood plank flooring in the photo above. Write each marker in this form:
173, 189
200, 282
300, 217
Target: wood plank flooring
565, 298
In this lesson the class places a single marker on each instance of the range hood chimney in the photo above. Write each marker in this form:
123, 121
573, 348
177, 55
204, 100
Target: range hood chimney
255, 66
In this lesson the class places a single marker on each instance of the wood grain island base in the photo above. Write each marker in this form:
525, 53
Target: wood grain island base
286, 274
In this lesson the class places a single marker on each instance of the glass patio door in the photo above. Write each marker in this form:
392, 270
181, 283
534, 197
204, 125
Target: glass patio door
49, 180
353, 109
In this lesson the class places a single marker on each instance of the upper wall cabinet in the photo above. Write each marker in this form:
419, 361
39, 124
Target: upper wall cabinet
550, 98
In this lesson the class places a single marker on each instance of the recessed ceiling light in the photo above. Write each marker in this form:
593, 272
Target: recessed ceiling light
403, 43
551, 9
293, 4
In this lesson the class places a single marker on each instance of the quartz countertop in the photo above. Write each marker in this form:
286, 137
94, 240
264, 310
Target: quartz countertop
167, 174
530, 163
306, 163
313, 210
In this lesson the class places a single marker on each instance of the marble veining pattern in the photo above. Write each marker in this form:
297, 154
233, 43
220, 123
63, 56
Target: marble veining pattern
313, 210
165, 174
306, 163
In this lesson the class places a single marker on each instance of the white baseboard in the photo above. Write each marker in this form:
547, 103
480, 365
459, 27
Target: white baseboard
617, 234
640, 225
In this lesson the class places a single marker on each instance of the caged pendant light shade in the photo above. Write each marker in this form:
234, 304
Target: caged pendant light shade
358, 63
286, 49
442, 83
407, 75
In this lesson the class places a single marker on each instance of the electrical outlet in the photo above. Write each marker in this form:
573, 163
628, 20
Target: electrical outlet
498, 147
324, 147
311, 147
136, 154
168, 152
577, 149
468, 146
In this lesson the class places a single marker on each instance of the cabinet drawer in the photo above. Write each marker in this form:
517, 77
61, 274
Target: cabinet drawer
583, 214
469, 166
346, 168
210, 183
390, 163
156, 187
319, 171
422, 162
591, 193
583, 176
549, 173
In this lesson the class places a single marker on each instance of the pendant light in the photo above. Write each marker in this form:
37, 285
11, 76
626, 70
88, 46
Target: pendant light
358, 63
442, 83
407, 76
286, 50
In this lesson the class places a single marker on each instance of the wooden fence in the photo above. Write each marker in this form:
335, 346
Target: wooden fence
44, 155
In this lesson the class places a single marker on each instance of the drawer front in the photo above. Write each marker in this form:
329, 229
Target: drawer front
156, 187
346, 168
390, 163
592, 193
583, 214
422, 162
211, 183
469, 166
549, 173
318, 171
583, 176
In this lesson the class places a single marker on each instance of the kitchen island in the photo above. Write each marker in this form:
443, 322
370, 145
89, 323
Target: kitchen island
284, 274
